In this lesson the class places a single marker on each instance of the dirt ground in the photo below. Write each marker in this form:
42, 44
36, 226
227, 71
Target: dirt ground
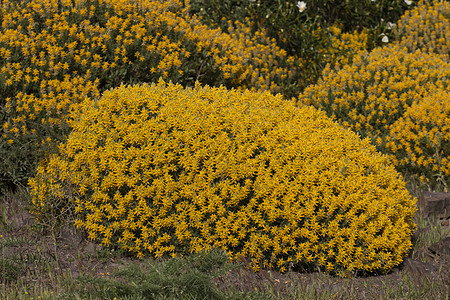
69, 252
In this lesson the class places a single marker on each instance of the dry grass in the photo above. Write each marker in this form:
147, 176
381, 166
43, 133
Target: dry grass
63, 265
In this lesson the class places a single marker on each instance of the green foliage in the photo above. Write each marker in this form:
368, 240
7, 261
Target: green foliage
10, 270
188, 278
19, 156
11, 266
306, 34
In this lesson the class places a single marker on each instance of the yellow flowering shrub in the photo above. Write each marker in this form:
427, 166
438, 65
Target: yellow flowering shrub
422, 139
308, 30
377, 89
56, 54
343, 46
426, 27
162, 170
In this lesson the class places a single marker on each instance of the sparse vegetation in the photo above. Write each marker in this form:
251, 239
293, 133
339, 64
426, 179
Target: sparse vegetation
50, 267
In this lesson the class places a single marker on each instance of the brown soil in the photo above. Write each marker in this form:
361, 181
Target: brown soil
69, 252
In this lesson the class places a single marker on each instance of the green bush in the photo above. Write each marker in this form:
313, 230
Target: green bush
161, 170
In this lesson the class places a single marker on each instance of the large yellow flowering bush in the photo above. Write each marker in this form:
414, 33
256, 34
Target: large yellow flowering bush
55, 54
426, 27
421, 139
377, 89
161, 170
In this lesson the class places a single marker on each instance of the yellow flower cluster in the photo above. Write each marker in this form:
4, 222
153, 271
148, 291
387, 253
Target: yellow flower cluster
422, 138
50, 49
330, 46
344, 46
426, 27
162, 170
377, 89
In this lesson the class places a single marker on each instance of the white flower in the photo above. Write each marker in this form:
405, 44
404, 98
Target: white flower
390, 25
301, 6
385, 39
408, 2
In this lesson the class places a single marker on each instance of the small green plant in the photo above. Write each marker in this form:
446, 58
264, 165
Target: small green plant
10, 270
12, 266
3, 216
177, 278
